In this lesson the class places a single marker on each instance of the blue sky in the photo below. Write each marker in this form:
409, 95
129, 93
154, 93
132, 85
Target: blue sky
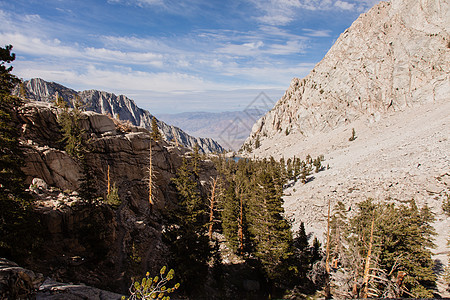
174, 56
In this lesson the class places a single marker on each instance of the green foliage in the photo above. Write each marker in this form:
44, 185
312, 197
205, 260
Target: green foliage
446, 205
11, 179
252, 217
156, 134
77, 145
74, 137
19, 225
257, 143
230, 216
113, 198
187, 236
196, 161
402, 237
88, 187
271, 233
153, 287
353, 137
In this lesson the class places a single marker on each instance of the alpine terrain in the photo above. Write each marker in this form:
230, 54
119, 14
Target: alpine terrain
119, 107
378, 108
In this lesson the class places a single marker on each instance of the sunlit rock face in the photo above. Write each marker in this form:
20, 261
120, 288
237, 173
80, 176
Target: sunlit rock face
119, 107
392, 57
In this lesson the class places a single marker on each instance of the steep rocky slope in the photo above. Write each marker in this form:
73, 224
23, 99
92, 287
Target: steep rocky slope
96, 244
395, 56
113, 105
388, 78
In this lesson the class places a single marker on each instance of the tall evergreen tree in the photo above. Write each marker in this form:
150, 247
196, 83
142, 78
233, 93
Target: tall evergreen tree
230, 216
19, 226
156, 134
271, 233
393, 254
187, 234
11, 179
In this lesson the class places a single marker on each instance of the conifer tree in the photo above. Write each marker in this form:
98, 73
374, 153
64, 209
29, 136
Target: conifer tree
74, 136
19, 227
187, 235
337, 233
271, 233
156, 134
303, 252
213, 205
196, 160
11, 179
230, 216
390, 258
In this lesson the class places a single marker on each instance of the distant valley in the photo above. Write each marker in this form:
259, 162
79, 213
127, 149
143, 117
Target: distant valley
229, 129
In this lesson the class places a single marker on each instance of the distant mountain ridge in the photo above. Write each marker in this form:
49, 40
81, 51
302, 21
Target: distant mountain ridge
108, 103
229, 128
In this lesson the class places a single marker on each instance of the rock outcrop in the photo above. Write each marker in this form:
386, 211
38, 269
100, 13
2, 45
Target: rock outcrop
19, 283
392, 57
94, 243
119, 107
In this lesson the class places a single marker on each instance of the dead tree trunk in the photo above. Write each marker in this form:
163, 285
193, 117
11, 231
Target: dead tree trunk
367, 266
150, 178
327, 260
211, 207
175, 137
241, 226
109, 183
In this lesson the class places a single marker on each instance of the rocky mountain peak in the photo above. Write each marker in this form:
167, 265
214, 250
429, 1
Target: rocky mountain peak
120, 107
392, 57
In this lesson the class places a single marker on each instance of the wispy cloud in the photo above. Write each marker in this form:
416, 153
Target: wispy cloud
344, 5
249, 47
316, 33
138, 2
283, 12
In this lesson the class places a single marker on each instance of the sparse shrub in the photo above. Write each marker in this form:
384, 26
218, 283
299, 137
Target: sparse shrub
113, 198
353, 137
122, 125
318, 163
446, 205
153, 288
257, 143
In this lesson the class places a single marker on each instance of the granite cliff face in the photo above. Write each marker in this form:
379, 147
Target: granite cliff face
118, 106
392, 57
95, 244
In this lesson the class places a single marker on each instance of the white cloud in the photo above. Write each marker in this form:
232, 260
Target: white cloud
344, 5
290, 47
244, 49
138, 2
282, 12
316, 33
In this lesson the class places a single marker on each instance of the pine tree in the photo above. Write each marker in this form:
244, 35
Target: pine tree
230, 216
388, 252
271, 233
337, 233
187, 235
19, 227
303, 252
156, 134
12, 178
74, 136
196, 160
